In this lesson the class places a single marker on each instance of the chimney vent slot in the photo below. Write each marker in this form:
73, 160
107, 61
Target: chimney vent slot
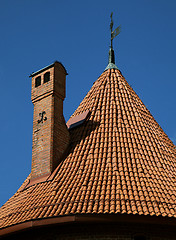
38, 81
46, 77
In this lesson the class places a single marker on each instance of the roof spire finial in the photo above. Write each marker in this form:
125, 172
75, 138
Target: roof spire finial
111, 51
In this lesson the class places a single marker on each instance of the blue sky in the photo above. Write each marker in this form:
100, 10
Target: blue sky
35, 33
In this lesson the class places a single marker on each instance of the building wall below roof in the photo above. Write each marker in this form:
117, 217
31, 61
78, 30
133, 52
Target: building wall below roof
97, 231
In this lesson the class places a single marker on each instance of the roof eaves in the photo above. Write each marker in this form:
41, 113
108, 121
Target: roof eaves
88, 218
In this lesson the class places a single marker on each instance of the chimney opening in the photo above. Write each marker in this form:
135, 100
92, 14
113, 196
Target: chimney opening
38, 81
46, 77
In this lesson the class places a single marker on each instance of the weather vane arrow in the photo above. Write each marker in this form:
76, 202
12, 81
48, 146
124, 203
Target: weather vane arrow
115, 32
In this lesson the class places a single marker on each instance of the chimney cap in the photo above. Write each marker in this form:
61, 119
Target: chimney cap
47, 67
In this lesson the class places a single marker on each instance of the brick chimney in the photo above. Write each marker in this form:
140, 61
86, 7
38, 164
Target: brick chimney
50, 134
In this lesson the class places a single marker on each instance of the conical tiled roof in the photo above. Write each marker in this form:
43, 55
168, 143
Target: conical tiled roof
119, 162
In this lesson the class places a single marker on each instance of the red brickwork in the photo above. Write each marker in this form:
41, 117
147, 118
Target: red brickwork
50, 134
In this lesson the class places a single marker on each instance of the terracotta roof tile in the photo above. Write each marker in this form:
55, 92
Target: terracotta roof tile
119, 161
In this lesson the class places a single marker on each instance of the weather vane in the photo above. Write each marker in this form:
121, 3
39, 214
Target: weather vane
115, 32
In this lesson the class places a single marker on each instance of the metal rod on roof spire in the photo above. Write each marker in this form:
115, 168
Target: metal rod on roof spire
111, 26
113, 35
